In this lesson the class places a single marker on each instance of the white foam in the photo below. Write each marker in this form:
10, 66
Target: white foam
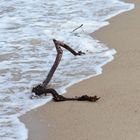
27, 28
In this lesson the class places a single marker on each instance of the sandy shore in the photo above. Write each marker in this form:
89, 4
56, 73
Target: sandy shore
117, 115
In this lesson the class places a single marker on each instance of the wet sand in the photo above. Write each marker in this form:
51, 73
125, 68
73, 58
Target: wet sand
116, 116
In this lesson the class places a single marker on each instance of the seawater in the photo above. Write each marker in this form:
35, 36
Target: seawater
27, 52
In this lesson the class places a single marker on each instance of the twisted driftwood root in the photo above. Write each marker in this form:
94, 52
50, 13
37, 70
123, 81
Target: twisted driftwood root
40, 90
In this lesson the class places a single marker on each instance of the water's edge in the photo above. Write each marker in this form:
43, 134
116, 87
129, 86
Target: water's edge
64, 89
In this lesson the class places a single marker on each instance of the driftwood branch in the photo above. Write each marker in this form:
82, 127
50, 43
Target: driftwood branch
58, 45
77, 28
55, 65
42, 89
39, 90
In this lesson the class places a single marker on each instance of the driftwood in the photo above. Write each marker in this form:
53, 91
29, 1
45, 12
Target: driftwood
58, 58
77, 28
42, 89
39, 89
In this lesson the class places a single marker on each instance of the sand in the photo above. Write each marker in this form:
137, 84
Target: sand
117, 115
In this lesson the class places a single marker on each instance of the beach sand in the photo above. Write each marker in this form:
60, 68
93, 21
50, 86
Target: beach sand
116, 116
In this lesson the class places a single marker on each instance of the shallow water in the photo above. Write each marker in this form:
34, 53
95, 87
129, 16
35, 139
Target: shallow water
27, 28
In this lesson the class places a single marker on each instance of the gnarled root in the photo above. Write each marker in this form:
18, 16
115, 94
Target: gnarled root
40, 90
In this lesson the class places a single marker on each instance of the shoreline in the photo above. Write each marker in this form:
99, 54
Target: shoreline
70, 119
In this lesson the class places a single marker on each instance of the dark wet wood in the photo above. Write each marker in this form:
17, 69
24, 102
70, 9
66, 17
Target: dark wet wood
77, 28
42, 89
